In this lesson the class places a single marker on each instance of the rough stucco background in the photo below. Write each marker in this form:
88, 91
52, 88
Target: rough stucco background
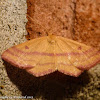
87, 22
16, 82
51, 16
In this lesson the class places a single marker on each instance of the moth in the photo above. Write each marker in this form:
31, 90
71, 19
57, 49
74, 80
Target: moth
52, 53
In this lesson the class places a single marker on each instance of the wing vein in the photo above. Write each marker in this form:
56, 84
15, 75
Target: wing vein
41, 58
63, 51
81, 51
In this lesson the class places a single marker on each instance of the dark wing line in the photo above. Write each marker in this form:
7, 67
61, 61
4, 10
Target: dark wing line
38, 42
13, 54
10, 60
40, 59
68, 59
31, 49
48, 54
21, 55
81, 51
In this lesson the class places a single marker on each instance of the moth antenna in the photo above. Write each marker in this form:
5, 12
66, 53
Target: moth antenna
47, 31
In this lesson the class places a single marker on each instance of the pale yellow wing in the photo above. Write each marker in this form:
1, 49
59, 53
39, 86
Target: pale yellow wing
72, 57
63, 62
36, 56
47, 54
27, 54
46, 64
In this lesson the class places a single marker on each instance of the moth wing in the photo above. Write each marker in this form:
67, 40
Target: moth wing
27, 54
46, 64
63, 62
79, 55
36, 56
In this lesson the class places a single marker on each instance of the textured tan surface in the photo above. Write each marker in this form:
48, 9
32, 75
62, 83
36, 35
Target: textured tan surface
16, 82
87, 22
52, 16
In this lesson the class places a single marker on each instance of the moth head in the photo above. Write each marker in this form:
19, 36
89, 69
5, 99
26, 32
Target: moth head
51, 39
